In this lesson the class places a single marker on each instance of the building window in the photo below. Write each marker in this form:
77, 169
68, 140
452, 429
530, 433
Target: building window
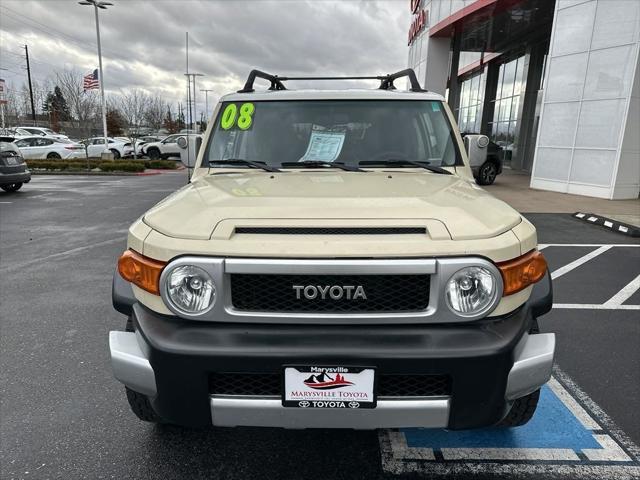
504, 128
471, 101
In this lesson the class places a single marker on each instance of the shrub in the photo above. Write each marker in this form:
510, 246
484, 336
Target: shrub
122, 166
161, 164
79, 164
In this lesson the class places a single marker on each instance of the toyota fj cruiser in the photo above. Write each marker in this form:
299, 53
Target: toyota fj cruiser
332, 264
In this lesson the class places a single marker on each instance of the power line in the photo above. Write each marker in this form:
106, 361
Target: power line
18, 17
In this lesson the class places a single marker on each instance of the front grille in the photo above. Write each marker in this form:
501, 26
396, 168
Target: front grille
276, 293
270, 384
331, 230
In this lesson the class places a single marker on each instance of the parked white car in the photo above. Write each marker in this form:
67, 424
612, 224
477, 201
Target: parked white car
33, 148
44, 132
119, 147
165, 148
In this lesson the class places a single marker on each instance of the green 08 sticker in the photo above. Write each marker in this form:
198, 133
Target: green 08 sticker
241, 117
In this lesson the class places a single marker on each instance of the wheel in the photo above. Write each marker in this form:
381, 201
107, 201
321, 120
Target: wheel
11, 187
116, 153
487, 173
141, 406
153, 154
54, 156
521, 411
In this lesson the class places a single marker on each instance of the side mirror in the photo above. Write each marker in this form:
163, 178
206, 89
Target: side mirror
189, 147
476, 146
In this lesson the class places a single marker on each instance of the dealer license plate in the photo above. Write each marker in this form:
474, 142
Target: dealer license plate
329, 387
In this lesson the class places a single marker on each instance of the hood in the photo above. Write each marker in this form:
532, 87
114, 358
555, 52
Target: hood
467, 211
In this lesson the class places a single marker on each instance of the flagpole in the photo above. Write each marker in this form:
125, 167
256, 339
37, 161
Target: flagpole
103, 5
101, 81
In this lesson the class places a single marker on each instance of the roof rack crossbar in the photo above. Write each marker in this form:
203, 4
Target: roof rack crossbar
276, 83
386, 81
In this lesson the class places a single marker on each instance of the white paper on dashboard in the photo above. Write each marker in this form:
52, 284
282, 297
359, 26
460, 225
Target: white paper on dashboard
323, 147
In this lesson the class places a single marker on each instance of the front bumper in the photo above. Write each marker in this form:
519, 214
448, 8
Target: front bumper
491, 363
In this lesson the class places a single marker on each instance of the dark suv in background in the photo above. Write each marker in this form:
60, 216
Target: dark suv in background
13, 169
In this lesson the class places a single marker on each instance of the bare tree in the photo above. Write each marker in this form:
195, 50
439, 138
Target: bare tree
156, 111
82, 105
133, 105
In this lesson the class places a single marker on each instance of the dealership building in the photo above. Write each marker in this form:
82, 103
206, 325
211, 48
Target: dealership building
555, 83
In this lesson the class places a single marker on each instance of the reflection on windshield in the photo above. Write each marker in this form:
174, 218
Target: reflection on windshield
348, 131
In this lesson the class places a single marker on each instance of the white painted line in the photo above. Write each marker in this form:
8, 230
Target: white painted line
610, 451
8, 203
402, 450
34, 261
592, 219
574, 407
562, 454
609, 224
613, 245
580, 261
542, 247
624, 294
580, 215
590, 306
623, 229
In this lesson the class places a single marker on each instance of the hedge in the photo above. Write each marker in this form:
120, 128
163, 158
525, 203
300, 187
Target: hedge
78, 164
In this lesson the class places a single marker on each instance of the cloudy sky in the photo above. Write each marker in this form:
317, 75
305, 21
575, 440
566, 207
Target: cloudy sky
144, 41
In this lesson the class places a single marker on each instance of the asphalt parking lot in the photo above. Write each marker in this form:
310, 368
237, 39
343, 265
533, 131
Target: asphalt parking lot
63, 415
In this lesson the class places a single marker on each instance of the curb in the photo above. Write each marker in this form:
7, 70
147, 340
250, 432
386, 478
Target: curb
108, 174
610, 224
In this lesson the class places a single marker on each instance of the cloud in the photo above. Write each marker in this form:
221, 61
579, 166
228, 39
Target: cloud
144, 41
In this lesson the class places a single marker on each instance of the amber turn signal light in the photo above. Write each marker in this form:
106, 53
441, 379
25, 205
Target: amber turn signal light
519, 273
142, 271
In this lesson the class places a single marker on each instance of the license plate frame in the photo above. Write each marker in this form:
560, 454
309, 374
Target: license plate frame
334, 386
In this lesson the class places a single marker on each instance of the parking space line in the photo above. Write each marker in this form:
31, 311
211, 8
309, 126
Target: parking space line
610, 245
60, 254
624, 294
594, 306
580, 261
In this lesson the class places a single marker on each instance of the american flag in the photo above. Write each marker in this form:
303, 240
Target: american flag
91, 81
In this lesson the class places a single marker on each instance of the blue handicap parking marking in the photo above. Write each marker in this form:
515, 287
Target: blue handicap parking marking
553, 426
568, 437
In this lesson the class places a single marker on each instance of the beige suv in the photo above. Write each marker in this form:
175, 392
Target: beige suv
332, 264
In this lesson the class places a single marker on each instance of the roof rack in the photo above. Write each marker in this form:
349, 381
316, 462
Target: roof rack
386, 81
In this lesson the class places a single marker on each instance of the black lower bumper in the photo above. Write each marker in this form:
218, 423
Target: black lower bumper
19, 177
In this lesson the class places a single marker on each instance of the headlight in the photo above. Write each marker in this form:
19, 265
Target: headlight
471, 290
190, 289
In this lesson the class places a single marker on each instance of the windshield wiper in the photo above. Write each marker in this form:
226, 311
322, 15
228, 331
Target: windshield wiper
319, 163
248, 163
392, 162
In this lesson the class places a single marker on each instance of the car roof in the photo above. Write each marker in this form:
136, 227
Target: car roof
345, 94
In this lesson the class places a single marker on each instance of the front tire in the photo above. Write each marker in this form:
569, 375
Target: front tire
11, 187
153, 154
487, 173
116, 154
521, 411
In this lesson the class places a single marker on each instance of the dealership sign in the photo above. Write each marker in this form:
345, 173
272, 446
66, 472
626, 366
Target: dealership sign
420, 19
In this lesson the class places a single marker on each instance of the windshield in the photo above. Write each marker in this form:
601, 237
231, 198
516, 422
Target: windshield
347, 131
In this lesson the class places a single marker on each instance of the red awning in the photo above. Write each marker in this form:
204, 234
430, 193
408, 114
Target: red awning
477, 11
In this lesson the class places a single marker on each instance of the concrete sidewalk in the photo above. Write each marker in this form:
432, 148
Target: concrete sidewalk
513, 188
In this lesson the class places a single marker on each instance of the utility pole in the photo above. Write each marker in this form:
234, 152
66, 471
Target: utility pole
206, 103
189, 77
33, 108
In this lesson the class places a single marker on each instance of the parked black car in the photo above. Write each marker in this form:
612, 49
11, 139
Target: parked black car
13, 168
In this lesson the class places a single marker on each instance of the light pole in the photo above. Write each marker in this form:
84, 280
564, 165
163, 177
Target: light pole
103, 6
206, 103
193, 113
